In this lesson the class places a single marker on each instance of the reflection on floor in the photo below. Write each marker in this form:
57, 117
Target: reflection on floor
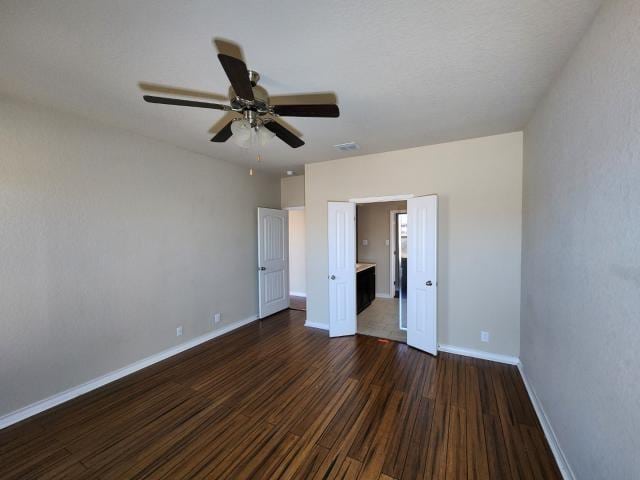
380, 319
297, 303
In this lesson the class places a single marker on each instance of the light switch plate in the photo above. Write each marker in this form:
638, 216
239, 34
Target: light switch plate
365, 242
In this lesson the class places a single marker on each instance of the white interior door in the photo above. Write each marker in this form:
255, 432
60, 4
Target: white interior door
342, 269
273, 261
422, 281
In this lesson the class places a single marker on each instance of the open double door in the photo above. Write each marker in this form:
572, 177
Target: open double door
422, 285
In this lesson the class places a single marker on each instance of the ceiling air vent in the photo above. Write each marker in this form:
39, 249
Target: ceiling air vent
347, 147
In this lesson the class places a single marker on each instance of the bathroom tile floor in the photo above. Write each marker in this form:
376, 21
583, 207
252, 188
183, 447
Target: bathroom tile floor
381, 319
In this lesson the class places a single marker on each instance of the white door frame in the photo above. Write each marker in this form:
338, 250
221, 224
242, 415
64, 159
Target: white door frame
387, 198
392, 247
390, 198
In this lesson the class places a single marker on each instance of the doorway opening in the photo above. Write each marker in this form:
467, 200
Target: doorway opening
297, 262
347, 259
381, 233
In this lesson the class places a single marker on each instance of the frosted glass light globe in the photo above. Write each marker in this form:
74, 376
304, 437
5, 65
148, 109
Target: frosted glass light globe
264, 135
241, 133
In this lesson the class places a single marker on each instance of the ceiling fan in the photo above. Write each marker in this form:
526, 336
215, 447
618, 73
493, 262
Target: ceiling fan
252, 102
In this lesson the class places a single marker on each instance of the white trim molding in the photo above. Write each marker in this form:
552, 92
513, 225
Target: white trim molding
387, 198
383, 295
552, 440
469, 352
298, 294
321, 326
54, 400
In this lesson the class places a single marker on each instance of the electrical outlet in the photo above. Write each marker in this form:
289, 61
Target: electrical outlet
216, 318
484, 336
365, 242
179, 331
386, 242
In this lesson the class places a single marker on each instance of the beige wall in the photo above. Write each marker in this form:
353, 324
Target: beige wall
108, 242
581, 250
292, 191
479, 183
373, 226
297, 260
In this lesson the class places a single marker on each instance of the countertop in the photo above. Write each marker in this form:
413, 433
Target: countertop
363, 266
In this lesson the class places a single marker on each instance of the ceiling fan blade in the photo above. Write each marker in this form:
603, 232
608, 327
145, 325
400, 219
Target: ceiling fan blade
184, 103
238, 75
284, 134
224, 134
323, 110
183, 92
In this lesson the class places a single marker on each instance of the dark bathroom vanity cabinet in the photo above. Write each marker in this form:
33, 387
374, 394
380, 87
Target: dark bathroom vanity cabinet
365, 285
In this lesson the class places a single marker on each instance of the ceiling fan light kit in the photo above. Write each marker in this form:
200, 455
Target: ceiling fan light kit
258, 124
249, 131
245, 136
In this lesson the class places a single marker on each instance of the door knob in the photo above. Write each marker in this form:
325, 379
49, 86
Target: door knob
332, 277
262, 268
428, 284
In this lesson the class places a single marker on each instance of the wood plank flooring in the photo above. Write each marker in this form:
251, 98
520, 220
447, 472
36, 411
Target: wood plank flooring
276, 399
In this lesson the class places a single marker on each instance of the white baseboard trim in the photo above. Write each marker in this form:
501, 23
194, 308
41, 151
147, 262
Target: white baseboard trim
561, 460
298, 294
469, 352
383, 295
54, 400
322, 326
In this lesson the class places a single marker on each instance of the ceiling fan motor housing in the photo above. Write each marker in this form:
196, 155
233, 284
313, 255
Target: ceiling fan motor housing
260, 103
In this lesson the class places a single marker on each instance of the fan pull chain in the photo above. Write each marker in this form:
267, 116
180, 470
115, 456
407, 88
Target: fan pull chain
258, 159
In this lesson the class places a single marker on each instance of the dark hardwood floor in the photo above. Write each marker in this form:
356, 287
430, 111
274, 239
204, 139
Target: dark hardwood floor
276, 399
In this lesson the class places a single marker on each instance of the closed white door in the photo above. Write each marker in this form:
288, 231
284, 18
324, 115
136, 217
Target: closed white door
273, 261
342, 268
422, 282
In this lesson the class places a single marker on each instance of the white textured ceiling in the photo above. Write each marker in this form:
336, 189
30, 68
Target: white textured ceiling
405, 72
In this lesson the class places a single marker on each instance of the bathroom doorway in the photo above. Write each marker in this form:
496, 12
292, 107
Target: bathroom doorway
347, 259
379, 273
